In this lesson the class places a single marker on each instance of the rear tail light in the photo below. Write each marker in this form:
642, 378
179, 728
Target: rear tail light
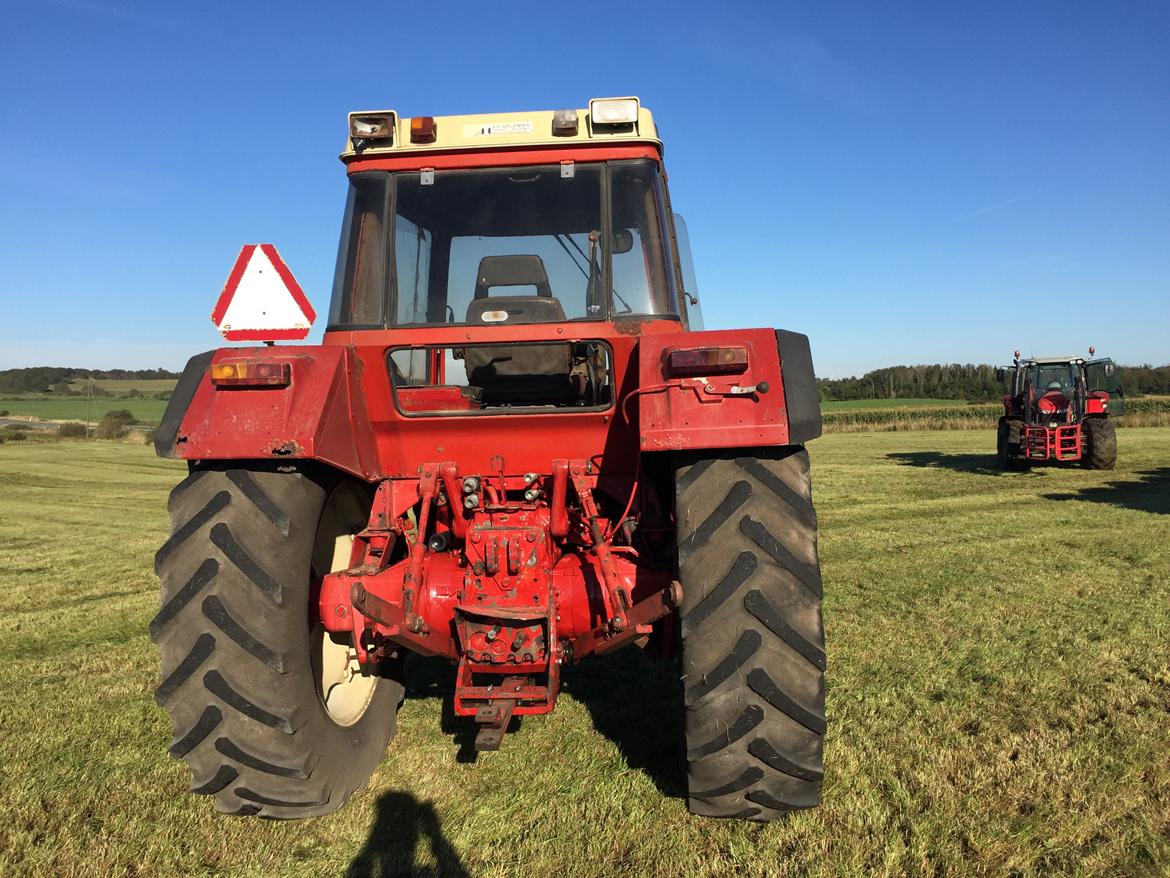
251, 373
684, 362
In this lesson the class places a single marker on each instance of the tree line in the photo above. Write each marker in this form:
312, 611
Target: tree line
968, 381
39, 379
977, 383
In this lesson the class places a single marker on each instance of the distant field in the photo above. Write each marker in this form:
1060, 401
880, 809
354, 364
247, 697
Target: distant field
73, 408
997, 694
125, 385
846, 405
1148, 411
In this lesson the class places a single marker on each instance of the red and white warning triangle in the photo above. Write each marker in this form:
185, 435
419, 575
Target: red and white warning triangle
262, 301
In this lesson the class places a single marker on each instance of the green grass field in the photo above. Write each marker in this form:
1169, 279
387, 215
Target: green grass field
850, 405
998, 696
73, 408
125, 385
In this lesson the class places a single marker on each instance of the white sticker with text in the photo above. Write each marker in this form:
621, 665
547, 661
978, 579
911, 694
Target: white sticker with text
493, 129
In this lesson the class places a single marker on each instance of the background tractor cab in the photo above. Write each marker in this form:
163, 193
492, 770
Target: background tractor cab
1057, 407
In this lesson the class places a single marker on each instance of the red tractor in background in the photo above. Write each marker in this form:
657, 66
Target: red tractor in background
515, 448
1057, 409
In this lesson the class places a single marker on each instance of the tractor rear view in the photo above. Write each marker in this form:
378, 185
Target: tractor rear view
514, 448
1058, 410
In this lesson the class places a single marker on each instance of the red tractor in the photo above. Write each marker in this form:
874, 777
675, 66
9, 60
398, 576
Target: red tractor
514, 448
1058, 409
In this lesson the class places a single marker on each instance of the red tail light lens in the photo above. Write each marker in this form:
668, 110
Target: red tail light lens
251, 373
684, 362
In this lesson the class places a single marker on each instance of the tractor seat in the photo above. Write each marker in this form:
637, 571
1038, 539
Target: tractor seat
532, 373
513, 271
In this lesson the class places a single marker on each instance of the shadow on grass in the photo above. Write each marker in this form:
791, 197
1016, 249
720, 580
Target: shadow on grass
981, 464
1150, 493
633, 700
636, 702
435, 678
389, 851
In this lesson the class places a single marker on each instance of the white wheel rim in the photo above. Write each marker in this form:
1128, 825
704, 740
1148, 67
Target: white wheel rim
344, 687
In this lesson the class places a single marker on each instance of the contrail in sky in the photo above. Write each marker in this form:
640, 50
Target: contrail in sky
983, 210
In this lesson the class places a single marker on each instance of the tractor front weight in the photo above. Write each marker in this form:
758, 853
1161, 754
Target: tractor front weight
510, 576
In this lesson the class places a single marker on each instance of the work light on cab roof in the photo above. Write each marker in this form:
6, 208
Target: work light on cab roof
514, 448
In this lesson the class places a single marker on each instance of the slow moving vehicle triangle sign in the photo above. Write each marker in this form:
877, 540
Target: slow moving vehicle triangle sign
261, 300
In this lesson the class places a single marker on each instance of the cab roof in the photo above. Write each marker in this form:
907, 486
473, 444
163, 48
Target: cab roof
1050, 361
535, 128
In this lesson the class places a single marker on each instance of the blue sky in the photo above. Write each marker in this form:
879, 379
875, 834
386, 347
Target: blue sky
896, 180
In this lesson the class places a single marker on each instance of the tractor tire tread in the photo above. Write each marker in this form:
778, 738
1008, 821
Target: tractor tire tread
230, 749
204, 726
218, 615
199, 653
225, 541
190, 527
752, 636
223, 776
232, 629
215, 683
747, 645
199, 580
751, 717
735, 498
1101, 450
243, 480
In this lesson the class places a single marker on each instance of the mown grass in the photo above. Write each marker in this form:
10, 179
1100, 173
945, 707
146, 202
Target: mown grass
73, 408
849, 405
998, 696
1150, 411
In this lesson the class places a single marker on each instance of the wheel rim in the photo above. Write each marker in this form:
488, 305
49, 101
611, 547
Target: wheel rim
344, 687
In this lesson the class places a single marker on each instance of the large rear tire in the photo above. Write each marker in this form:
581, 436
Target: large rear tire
1001, 444
247, 672
753, 644
1100, 443
1010, 445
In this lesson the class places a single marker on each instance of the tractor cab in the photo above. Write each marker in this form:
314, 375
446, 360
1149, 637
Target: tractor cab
516, 241
1063, 389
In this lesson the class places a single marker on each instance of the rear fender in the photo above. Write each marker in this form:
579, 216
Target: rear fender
321, 414
773, 402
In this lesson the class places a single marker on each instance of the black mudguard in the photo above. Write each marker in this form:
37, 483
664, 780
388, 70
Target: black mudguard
800, 386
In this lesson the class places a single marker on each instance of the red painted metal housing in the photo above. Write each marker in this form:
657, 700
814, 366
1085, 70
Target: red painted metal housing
339, 406
497, 158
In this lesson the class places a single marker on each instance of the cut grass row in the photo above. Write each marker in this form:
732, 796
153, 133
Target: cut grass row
1141, 412
998, 696
848, 405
